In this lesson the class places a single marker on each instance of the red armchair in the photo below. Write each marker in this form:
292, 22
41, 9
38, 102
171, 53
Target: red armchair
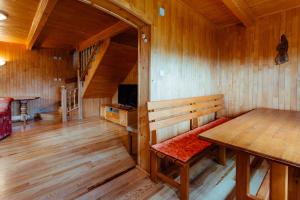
5, 117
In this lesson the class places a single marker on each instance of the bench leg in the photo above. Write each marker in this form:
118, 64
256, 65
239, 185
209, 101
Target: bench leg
154, 166
222, 155
184, 182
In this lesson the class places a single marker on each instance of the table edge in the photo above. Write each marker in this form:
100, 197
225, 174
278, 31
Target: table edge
249, 151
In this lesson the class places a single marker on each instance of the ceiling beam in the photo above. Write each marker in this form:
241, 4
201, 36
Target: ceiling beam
39, 21
241, 10
111, 31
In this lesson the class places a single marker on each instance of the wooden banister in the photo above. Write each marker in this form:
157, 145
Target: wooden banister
88, 57
64, 106
69, 101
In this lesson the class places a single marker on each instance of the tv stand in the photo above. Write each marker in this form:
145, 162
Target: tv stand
121, 115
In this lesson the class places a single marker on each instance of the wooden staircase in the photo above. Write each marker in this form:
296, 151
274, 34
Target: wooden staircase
103, 62
110, 63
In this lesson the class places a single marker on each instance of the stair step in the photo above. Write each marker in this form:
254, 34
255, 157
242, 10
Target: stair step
51, 116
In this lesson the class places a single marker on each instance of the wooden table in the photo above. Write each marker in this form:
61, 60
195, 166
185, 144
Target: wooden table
267, 133
24, 106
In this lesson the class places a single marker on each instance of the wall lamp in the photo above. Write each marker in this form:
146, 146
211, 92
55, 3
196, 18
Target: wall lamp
3, 16
2, 61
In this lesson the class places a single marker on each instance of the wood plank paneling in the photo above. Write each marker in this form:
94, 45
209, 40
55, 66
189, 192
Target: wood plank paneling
265, 7
247, 73
214, 10
92, 106
32, 73
20, 15
72, 22
218, 13
183, 56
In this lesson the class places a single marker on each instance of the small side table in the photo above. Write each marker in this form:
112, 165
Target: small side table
24, 106
132, 129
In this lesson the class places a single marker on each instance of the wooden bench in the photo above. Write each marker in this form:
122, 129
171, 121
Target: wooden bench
185, 148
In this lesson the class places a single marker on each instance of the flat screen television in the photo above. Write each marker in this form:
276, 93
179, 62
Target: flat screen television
128, 95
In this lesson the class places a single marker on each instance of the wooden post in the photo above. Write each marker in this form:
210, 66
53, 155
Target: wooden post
64, 104
222, 155
242, 175
294, 183
74, 98
143, 97
184, 182
155, 165
69, 100
279, 182
79, 85
153, 138
80, 100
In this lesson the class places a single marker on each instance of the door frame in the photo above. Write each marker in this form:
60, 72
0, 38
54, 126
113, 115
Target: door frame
144, 56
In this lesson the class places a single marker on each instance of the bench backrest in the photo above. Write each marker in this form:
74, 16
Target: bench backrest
162, 114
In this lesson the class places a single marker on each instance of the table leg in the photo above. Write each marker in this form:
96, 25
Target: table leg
294, 183
242, 175
24, 108
279, 182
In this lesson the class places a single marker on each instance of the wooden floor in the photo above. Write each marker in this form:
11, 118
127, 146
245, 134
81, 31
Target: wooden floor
89, 160
209, 181
61, 161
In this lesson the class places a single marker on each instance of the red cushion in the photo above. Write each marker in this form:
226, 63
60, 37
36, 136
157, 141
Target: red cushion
183, 147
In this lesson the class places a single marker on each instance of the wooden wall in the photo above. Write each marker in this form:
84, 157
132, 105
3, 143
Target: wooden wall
183, 52
183, 56
247, 73
92, 106
182, 46
32, 73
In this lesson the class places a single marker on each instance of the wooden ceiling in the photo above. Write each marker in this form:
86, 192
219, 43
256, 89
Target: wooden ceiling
265, 7
72, 22
58, 24
214, 10
20, 14
229, 12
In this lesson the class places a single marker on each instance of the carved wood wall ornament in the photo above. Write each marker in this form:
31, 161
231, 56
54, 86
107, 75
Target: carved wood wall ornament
282, 48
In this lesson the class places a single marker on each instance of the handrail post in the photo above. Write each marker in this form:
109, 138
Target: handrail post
64, 105
79, 95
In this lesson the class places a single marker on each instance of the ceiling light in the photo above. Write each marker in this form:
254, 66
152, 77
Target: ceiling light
3, 16
2, 62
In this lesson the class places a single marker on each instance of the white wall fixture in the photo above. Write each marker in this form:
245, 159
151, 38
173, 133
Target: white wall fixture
162, 73
162, 11
144, 37
3, 16
2, 61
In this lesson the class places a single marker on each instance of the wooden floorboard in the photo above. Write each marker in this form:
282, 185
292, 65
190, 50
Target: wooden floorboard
62, 161
208, 180
89, 160
134, 185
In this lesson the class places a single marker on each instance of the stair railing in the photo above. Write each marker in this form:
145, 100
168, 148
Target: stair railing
86, 57
69, 101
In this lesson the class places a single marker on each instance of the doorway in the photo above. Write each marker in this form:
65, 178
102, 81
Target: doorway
143, 64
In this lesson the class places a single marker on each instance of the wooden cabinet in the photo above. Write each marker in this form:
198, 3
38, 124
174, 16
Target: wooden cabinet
120, 115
